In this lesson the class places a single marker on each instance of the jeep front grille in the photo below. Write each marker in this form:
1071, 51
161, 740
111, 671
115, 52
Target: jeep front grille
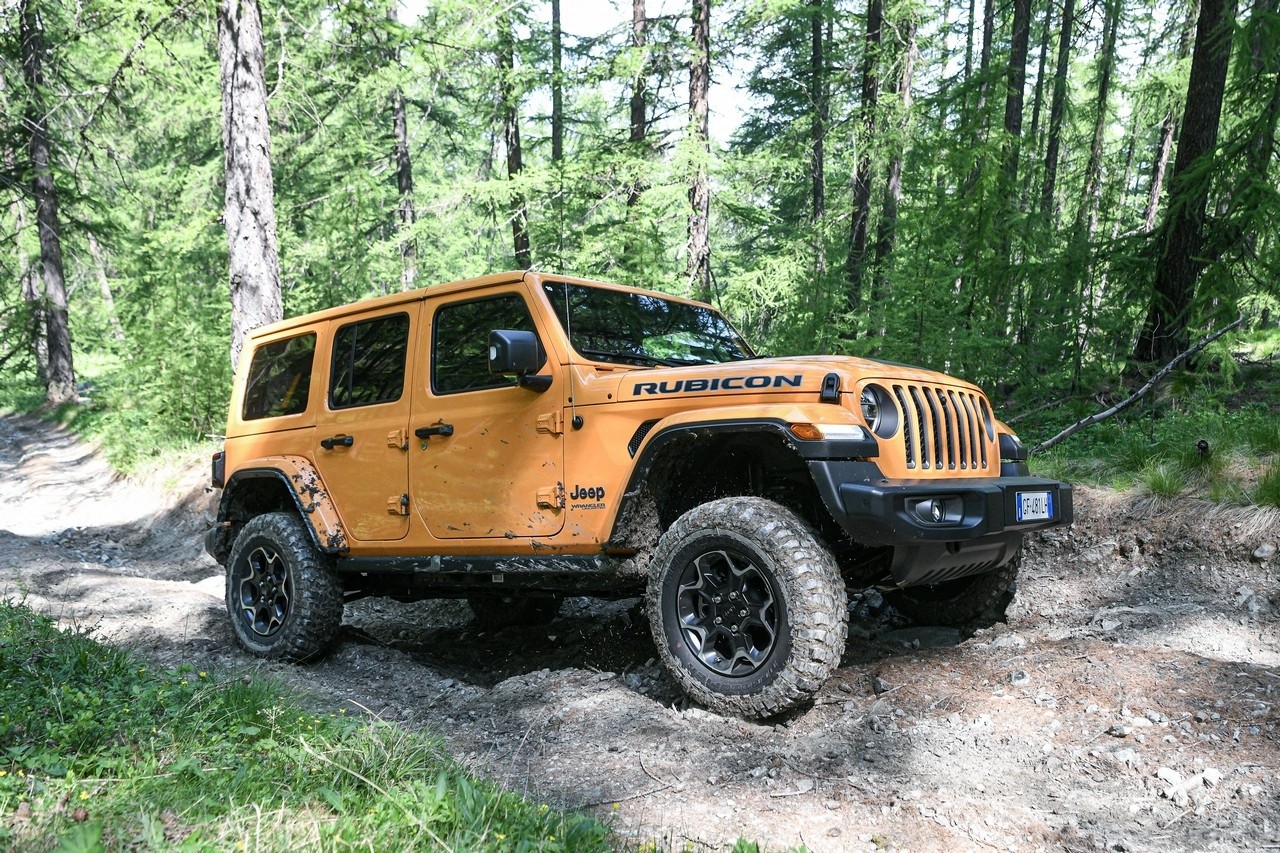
943, 428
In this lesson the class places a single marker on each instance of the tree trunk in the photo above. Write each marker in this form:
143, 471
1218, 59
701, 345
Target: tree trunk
249, 214
1165, 332
1168, 131
818, 128
1086, 225
639, 101
638, 130
557, 127
886, 228
700, 187
557, 87
1037, 100
60, 378
1057, 114
1015, 96
404, 181
855, 262
511, 136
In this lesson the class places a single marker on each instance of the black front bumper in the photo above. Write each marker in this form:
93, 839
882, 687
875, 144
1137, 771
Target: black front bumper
978, 528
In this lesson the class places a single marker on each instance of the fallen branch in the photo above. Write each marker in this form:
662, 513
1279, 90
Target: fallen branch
1140, 393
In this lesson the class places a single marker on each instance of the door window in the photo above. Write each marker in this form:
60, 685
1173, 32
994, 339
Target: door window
279, 379
369, 362
460, 350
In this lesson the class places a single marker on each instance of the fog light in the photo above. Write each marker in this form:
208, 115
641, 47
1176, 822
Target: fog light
931, 510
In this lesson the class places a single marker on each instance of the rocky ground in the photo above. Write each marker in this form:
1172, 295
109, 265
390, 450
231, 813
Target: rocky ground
1130, 702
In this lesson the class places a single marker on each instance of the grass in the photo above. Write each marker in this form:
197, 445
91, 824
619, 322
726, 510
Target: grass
1194, 438
99, 751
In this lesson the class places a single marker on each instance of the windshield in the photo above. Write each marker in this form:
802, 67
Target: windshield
642, 329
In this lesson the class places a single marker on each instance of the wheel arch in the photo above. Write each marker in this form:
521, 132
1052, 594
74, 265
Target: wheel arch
279, 484
683, 465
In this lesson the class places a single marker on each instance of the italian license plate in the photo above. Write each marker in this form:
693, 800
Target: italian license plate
1035, 506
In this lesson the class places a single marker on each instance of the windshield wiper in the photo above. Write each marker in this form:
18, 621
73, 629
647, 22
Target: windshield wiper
650, 360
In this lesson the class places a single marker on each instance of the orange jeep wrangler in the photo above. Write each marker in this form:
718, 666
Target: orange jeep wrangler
522, 437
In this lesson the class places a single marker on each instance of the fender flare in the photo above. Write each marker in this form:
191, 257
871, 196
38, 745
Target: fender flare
303, 483
665, 436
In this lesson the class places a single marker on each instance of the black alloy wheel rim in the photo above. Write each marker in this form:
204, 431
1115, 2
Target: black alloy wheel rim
265, 591
727, 612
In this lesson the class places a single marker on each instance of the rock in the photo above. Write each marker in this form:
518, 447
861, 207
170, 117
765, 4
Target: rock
1128, 757
1018, 678
879, 685
1119, 730
1009, 641
1169, 776
1264, 552
1243, 594
1212, 777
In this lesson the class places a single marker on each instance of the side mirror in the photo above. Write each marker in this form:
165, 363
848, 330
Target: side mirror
517, 353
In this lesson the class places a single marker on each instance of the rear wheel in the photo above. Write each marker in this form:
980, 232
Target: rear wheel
284, 599
748, 609
977, 598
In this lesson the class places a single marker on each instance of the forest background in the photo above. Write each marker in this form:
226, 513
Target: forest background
1042, 196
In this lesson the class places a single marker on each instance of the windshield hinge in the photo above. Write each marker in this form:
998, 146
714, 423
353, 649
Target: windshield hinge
552, 423
551, 497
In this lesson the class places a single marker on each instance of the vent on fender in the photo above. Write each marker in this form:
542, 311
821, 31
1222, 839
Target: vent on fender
638, 438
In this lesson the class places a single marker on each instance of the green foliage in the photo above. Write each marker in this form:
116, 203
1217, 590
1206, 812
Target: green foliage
1267, 492
86, 726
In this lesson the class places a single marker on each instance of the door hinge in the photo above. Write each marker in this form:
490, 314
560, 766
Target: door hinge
551, 497
551, 423
398, 438
398, 504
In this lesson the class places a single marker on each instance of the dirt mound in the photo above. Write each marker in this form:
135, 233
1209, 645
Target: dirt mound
1129, 702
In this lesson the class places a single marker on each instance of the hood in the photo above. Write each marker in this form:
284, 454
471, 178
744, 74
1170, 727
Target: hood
784, 375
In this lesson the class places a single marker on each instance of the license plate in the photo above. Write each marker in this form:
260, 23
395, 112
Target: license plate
1035, 506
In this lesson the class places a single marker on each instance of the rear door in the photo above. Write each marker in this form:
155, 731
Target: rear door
361, 439
490, 464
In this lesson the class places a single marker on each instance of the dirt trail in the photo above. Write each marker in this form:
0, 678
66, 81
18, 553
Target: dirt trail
1131, 701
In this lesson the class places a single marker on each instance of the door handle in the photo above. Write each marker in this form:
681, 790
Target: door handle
443, 430
337, 440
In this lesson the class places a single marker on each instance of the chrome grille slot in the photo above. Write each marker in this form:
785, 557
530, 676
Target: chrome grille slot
943, 428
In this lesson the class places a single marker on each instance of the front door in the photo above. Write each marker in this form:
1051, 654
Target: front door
362, 445
488, 462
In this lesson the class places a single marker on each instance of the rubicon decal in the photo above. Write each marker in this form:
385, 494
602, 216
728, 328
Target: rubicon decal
727, 383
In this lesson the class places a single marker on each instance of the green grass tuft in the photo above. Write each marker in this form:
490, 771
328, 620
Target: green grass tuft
108, 753
1267, 492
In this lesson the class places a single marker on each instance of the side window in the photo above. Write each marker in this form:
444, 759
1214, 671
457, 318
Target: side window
460, 342
279, 378
369, 361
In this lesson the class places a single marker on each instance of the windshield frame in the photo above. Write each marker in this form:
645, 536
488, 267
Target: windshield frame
671, 318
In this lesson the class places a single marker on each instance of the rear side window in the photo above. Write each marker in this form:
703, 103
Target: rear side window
279, 378
460, 349
369, 362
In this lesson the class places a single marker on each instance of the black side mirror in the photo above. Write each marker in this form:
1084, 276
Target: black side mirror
517, 353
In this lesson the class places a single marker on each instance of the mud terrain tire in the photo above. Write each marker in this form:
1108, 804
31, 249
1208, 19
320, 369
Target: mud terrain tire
978, 598
498, 611
748, 609
284, 599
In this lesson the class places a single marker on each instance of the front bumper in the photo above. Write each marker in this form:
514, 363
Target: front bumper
978, 528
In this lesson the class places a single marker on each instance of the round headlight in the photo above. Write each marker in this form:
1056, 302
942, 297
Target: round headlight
870, 408
879, 411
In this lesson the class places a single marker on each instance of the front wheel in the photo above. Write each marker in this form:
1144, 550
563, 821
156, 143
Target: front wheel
283, 597
748, 609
